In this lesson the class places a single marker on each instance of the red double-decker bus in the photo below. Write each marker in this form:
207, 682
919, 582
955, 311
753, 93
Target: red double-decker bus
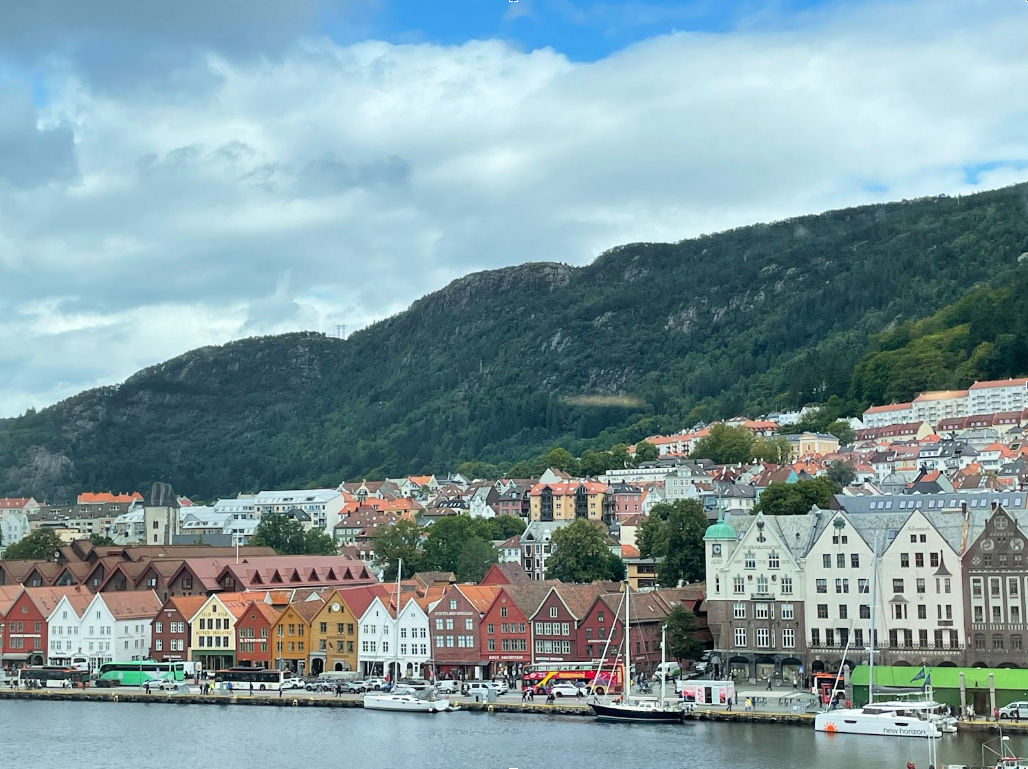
541, 676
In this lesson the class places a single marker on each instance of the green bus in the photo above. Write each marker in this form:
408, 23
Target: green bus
138, 673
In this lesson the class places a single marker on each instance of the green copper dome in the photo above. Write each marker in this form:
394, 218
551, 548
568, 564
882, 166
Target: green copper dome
720, 530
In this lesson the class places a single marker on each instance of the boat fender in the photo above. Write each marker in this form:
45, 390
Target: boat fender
490, 709
295, 703
114, 698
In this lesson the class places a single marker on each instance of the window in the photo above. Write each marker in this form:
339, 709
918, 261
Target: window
739, 611
1015, 615
922, 611
1012, 587
469, 623
908, 639
762, 585
855, 560
788, 638
763, 637
453, 606
976, 588
864, 611
740, 637
786, 585
920, 585
899, 611
1015, 642
762, 611
922, 638
897, 586
979, 614
994, 588
861, 585
553, 611
997, 615
840, 560
933, 560
738, 585
997, 642
822, 611
772, 560
822, 586
815, 637
843, 612
751, 560
826, 560
787, 611
829, 637
919, 560
158, 627
905, 559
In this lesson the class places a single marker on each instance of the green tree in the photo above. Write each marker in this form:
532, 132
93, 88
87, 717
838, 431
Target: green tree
503, 526
684, 559
474, 560
797, 498
842, 473
581, 553
40, 545
318, 543
725, 445
479, 470
402, 540
681, 635
652, 535
101, 540
562, 459
774, 449
279, 531
645, 452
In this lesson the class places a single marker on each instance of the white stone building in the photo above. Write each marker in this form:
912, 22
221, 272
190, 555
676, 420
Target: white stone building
996, 396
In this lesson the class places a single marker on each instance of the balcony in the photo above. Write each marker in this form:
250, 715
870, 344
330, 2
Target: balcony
762, 597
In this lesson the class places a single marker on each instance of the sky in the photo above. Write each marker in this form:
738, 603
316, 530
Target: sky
182, 174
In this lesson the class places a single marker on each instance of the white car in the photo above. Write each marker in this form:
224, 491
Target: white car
1014, 710
293, 683
566, 690
158, 685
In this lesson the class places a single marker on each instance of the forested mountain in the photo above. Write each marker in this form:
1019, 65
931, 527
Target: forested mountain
501, 364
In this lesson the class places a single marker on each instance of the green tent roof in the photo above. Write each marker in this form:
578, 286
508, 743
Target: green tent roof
720, 530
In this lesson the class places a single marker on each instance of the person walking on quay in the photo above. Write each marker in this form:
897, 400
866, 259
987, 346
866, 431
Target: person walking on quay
729, 708
995, 714
524, 696
251, 688
749, 704
795, 683
768, 683
146, 686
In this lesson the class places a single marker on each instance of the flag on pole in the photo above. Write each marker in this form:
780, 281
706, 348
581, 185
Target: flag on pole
921, 674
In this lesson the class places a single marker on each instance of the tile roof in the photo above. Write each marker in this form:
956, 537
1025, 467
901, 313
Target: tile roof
480, 596
132, 604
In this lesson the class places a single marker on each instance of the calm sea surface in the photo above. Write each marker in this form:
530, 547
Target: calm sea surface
34, 735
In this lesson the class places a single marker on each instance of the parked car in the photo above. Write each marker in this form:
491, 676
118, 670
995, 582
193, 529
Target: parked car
375, 684
500, 686
294, 683
354, 687
160, 685
471, 688
566, 690
448, 686
417, 684
1014, 710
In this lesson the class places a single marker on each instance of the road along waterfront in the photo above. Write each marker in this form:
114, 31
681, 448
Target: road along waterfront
42, 734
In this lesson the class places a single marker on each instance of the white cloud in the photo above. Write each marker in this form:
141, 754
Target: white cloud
337, 184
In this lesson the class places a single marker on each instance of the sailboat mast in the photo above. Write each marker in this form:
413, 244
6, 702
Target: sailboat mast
396, 625
663, 662
628, 643
874, 605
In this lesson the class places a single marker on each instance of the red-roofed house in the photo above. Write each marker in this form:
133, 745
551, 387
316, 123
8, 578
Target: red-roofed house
171, 638
254, 634
455, 627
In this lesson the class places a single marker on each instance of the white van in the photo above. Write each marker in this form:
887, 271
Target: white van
667, 670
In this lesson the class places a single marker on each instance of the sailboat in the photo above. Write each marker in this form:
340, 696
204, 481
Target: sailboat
896, 718
629, 708
409, 700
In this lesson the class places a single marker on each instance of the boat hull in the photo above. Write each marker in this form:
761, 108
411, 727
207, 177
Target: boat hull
635, 715
404, 704
844, 721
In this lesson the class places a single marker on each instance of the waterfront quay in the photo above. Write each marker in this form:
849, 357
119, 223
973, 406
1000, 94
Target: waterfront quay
766, 710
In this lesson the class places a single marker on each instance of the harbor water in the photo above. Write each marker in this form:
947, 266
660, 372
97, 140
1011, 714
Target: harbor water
96, 735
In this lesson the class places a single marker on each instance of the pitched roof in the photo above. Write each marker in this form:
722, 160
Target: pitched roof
480, 596
132, 604
8, 595
47, 598
187, 605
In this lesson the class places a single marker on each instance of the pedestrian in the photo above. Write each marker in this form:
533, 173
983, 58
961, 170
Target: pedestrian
749, 704
280, 690
729, 704
769, 683
524, 696
995, 714
147, 687
795, 683
251, 688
